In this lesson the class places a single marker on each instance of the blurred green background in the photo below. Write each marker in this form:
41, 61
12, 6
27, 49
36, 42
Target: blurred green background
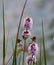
37, 10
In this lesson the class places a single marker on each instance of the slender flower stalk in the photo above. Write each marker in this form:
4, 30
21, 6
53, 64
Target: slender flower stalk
24, 51
40, 56
14, 56
3, 33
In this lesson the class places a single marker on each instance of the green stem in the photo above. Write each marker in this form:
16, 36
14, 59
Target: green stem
44, 50
40, 55
14, 56
33, 63
24, 52
3, 33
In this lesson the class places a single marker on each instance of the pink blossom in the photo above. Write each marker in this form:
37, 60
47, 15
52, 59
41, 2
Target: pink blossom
26, 33
33, 48
31, 58
28, 23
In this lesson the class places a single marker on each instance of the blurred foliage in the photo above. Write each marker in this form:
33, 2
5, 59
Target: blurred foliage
51, 25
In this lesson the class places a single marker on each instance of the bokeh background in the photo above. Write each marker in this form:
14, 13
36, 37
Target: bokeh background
38, 10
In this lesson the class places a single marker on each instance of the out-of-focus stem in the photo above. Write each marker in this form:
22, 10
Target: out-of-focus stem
24, 51
40, 55
14, 56
44, 50
3, 33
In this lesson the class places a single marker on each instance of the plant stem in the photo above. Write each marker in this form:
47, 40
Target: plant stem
40, 56
24, 51
44, 50
32, 63
14, 56
3, 33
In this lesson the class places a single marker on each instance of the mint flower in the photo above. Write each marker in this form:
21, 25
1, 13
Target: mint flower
33, 48
28, 23
26, 33
31, 58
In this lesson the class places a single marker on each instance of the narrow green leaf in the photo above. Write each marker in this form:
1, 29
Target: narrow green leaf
3, 33
19, 51
12, 45
44, 50
40, 56
6, 43
15, 50
19, 60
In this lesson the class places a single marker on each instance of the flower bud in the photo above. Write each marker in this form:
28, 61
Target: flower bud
33, 38
28, 23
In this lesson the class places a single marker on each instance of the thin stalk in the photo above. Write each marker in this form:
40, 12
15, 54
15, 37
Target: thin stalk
33, 63
7, 42
28, 63
24, 52
14, 56
44, 50
3, 33
40, 55
19, 61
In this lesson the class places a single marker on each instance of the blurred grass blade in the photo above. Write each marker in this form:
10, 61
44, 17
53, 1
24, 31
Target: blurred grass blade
40, 56
9, 59
3, 33
6, 44
14, 56
19, 60
12, 45
44, 50
19, 51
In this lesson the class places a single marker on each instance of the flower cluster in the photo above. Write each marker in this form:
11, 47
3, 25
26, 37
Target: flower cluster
33, 48
31, 58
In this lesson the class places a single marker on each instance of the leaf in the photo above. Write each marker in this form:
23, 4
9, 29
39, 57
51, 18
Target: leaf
3, 33
19, 60
12, 45
18, 30
19, 51
40, 55
7, 42
44, 50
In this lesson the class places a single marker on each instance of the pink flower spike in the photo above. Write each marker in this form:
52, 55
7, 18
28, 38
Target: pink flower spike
31, 59
33, 48
28, 23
